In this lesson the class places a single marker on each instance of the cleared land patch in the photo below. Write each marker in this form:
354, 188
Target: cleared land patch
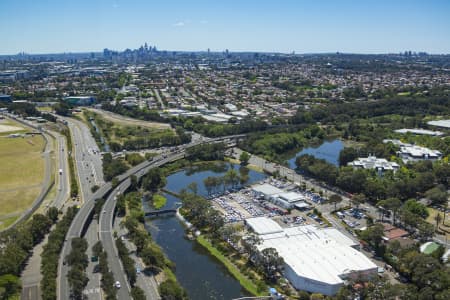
21, 172
109, 116
131, 137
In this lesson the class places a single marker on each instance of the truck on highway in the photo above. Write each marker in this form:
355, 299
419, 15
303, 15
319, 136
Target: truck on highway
60, 171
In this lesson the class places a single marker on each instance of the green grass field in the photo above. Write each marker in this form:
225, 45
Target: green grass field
21, 172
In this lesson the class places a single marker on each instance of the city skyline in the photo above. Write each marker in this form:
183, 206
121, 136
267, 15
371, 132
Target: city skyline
254, 26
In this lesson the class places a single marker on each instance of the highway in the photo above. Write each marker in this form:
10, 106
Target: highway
80, 220
106, 237
88, 163
63, 180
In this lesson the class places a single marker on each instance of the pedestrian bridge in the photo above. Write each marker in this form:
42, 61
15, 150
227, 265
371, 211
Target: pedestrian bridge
160, 212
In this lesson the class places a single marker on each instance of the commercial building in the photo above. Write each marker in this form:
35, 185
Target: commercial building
266, 190
316, 260
372, 162
414, 153
279, 197
419, 131
80, 100
410, 152
5, 98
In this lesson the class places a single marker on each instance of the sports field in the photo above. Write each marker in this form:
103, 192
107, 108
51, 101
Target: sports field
21, 171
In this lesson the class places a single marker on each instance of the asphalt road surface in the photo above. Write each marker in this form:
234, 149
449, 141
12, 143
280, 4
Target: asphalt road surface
106, 236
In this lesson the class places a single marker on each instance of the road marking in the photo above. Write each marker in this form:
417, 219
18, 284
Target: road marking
91, 291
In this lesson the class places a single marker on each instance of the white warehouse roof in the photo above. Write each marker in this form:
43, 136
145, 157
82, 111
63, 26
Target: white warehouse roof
291, 196
317, 260
262, 225
440, 123
267, 189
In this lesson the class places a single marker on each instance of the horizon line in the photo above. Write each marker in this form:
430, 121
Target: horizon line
230, 51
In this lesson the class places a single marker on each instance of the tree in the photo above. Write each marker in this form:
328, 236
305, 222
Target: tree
358, 199
52, 214
244, 158
373, 235
347, 155
40, 225
335, 199
392, 204
137, 293
416, 208
437, 218
270, 263
9, 286
426, 230
97, 249
193, 187
152, 256
437, 195
171, 290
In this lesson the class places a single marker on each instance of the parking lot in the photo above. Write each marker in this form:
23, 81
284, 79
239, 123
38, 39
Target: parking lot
241, 204
353, 217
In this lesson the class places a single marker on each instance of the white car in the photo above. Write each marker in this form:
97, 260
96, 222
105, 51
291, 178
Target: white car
117, 284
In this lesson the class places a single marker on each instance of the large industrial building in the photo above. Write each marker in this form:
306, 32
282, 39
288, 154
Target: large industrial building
316, 260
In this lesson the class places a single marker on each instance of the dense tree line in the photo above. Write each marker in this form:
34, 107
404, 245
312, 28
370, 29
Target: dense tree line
127, 262
404, 184
437, 102
199, 125
200, 213
17, 244
51, 252
113, 166
154, 180
73, 177
78, 260
134, 112
107, 281
206, 152
231, 179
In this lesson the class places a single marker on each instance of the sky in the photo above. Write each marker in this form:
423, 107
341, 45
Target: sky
313, 26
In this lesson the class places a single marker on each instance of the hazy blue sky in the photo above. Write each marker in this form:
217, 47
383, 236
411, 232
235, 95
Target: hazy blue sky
364, 26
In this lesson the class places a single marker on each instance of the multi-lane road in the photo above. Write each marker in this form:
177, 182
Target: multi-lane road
89, 167
106, 237
88, 162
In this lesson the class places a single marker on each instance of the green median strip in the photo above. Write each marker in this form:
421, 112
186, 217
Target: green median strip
244, 281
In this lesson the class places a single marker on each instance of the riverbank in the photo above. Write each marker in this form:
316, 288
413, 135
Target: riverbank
243, 280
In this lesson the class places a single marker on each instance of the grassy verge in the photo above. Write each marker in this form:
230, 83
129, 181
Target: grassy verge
244, 281
158, 201
73, 177
5, 223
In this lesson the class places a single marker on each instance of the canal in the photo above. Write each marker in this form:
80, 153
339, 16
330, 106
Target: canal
199, 273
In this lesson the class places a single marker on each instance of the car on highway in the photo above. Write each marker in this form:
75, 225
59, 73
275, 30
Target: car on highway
117, 284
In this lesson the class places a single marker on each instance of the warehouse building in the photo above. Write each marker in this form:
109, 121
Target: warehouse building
316, 260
